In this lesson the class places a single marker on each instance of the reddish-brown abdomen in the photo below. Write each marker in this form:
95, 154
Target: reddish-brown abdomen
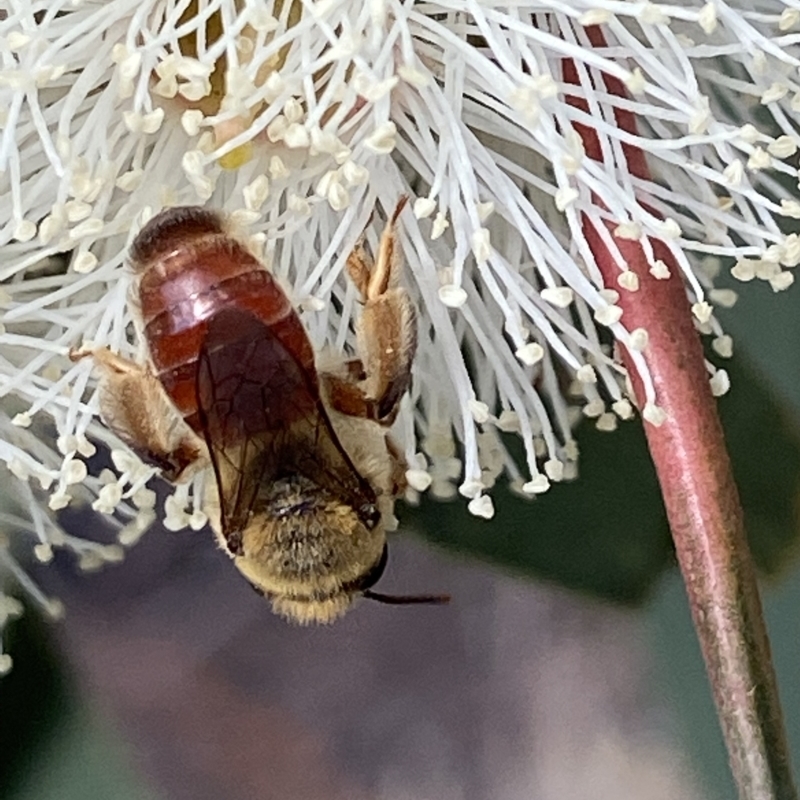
187, 279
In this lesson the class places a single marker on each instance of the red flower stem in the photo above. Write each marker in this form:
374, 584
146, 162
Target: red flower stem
700, 496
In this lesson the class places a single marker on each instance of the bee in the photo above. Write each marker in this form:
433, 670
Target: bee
305, 473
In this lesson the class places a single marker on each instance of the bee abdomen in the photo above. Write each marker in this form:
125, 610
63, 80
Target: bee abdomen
187, 284
173, 227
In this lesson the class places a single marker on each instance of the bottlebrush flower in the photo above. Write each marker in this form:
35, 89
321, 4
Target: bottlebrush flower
300, 119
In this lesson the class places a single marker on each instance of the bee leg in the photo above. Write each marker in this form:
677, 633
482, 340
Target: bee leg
135, 406
399, 466
386, 334
354, 369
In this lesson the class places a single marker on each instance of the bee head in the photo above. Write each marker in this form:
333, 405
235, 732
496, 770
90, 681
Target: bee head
309, 552
325, 607
312, 555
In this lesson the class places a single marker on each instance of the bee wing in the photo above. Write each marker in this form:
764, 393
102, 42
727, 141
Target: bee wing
262, 418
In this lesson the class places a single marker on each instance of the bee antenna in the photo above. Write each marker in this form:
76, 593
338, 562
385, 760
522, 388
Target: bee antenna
407, 599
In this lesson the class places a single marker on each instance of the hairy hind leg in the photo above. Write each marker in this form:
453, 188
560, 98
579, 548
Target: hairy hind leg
386, 334
135, 406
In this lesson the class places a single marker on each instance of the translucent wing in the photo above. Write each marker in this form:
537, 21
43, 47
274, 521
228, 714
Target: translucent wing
261, 415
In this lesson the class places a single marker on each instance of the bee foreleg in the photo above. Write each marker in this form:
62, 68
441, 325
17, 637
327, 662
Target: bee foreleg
386, 334
135, 406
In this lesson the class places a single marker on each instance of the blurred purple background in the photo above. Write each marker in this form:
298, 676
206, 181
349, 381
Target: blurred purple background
515, 690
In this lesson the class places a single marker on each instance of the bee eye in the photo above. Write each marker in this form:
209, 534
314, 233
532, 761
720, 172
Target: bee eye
369, 515
370, 577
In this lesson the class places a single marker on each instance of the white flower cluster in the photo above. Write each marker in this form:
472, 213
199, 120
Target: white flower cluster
300, 118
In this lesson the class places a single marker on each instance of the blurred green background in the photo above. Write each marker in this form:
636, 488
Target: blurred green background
604, 535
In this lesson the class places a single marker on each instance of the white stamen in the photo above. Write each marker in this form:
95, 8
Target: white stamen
382, 140
639, 339
419, 479
720, 383
530, 354
629, 280
723, 346
537, 485
560, 296
424, 207
256, 193
608, 314
452, 296
654, 415
479, 411
481, 506
440, 225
